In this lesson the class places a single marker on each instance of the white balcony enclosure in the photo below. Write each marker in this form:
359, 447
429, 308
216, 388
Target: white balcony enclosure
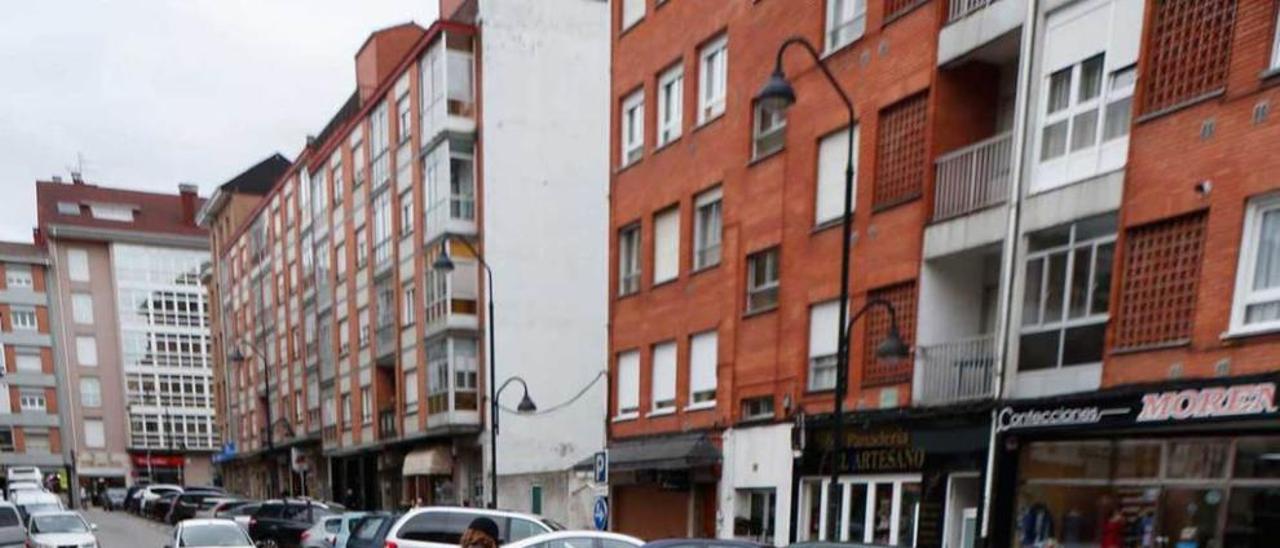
973, 177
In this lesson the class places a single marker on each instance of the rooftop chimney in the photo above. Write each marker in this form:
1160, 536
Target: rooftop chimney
57, 178
187, 192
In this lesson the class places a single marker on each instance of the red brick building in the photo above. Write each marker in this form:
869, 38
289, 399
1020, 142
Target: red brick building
1067, 203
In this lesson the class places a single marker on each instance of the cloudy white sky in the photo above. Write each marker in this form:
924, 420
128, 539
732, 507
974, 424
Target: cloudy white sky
151, 93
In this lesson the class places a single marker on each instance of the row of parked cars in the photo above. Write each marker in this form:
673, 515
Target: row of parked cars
33, 517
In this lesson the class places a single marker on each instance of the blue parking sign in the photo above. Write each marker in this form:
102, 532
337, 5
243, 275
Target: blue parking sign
602, 467
601, 513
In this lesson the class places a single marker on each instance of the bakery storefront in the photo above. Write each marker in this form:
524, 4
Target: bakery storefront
1191, 464
906, 478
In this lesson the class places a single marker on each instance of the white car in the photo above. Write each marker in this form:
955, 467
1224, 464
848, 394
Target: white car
17, 486
578, 539
442, 526
23, 473
35, 502
150, 493
54, 529
208, 533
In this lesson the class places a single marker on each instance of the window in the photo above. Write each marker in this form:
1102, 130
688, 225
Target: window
876, 327
362, 247
335, 175
1275, 47
769, 130
824, 333
344, 337
707, 229
6, 439
68, 208
629, 259
628, 383
345, 402
1256, 304
23, 319
1189, 51
754, 518
112, 212
757, 408
87, 350
878, 509
363, 324
535, 499
703, 360
1066, 294
37, 442
78, 265
411, 392
1071, 111
366, 405
666, 245
403, 124
462, 191
17, 276
670, 104
382, 228
90, 392
29, 362
633, 127
713, 72
340, 258
632, 12
901, 158
1118, 115
406, 213
82, 308
846, 21
32, 400
409, 300
379, 141
94, 434
762, 280
1161, 274
833, 157
664, 376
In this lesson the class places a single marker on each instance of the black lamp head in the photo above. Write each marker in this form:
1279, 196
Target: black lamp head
443, 262
777, 93
526, 404
892, 346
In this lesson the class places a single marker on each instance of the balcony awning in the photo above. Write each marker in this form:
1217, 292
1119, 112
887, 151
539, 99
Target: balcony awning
679, 452
431, 461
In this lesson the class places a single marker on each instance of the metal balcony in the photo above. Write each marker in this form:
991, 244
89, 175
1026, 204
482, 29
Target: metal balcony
973, 178
957, 371
959, 9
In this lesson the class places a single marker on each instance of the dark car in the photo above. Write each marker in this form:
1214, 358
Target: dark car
702, 543
371, 530
159, 508
190, 502
280, 523
112, 498
133, 496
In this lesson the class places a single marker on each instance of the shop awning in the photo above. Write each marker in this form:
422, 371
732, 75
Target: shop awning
679, 452
432, 461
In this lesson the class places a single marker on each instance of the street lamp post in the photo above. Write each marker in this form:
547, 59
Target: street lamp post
239, 357
444, 264
777, 93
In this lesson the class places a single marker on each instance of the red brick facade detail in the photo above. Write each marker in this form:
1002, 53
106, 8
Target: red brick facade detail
901, 152
1189, 51
876, 324
1158, 289
894, 8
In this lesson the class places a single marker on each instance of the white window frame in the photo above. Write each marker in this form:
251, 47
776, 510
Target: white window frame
82, 308
666, 245
704, 351
824, 343
86, 350
408, 295
68, 208
89, 398
756, 287
628, 386
95, 437
632, 13
78, 264
663, 378
30, 321
670, 104
1065, 322
632, 124
366, 405
871, 484
1116, 92
411, 391
18, 276
846, 22
748, 403
23, 361
708, 228
713, 79
630, 241
1244, 295
830, 177
33, 400
768, 124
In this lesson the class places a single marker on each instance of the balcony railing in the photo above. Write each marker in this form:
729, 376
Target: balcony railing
387, 424
959, 9
957, 371
973, 177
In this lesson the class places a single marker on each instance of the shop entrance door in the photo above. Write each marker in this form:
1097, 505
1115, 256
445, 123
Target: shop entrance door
881, 509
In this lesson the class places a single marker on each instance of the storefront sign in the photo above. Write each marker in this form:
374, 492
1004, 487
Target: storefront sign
157, 461
1197, 400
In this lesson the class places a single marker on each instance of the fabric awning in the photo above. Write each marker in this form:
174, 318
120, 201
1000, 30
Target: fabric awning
432, 461
679, 452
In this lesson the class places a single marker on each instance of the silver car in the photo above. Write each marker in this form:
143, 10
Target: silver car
65, 528
331, 532
208, 533
12, 533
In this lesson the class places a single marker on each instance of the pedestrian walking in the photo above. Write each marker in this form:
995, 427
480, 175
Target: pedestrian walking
482, 533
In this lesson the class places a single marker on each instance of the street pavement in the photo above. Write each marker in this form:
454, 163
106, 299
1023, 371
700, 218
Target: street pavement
124, 530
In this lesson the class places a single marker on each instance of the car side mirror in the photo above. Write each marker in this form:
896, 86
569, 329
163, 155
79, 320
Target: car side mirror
93, 527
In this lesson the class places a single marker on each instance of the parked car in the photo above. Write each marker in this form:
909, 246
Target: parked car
211, 506
34, 502
159, 509
189, 502
440, 527
133, 496
208, 533
12, 533
280, 523
153, 492
24, 473
240, 514
331, 532
62, 528
703, 543
349, 520
16, 486
371, 530
112, 498
578, 539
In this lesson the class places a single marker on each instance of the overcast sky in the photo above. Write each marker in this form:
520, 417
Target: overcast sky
156, 92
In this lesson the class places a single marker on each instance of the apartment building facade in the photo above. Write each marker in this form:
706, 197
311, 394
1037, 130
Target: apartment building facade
1014, 184
31, 427
133, 325
375, 375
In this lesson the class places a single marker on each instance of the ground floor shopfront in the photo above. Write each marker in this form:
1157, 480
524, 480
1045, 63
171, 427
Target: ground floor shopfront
439, 471
1191, 464
180, 467
664, 486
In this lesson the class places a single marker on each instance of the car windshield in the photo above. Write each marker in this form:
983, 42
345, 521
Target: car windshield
40, 507
213, 535
61, 523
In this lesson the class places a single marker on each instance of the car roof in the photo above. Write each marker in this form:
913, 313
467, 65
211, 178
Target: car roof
576, 534
474, 511
207, 521
34, 496
48, 513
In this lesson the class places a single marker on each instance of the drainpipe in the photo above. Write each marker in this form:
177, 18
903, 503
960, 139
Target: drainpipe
1009, 253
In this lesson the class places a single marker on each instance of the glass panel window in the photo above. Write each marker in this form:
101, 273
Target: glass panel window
769, 134
757, 408
628, 371
664, 376
824, 333
90, 392
1119, 112
17, 276
666, 245
703, 361
846, 21
629, 259
1257, 292
762, 280
707, 229
632, 12
833, 158
713, 71
1072, 113
670, 104
32, 400
632, 127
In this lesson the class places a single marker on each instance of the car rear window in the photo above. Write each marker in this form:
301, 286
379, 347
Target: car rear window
269, 511
521, 529
441, 527
369, 526
333, 525
9, 517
